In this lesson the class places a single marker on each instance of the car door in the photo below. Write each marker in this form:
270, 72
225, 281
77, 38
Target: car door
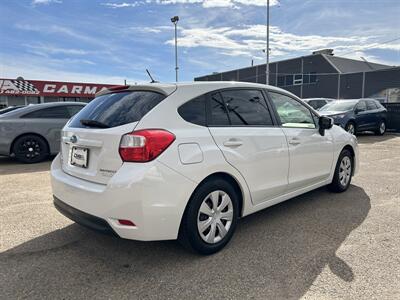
242, 126
362, 116
373, 114
310, 153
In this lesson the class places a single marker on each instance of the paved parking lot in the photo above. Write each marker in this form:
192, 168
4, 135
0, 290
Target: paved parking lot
317, 246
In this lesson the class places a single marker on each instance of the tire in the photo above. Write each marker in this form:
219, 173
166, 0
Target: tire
339, 183
351, 128
381, 128
30, 149
215, 218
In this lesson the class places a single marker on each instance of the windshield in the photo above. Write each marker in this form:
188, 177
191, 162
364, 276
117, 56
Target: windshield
343, 105
116, 109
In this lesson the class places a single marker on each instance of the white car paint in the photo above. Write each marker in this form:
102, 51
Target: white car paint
270, 165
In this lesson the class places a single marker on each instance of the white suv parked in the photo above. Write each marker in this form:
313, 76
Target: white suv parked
186, 161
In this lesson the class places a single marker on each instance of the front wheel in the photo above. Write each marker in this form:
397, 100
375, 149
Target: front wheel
210, 218
343, 172
351, 128
381, 128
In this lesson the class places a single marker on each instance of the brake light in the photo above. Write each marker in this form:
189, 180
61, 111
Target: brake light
118, 88
144, 145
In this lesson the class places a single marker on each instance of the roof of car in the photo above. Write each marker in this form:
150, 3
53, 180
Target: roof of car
169, 88
309, 99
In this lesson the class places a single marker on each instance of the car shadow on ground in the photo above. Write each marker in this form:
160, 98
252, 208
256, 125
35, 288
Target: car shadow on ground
10, 166
276, 253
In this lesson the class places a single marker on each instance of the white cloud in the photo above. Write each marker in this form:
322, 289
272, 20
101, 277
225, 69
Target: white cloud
50, 49
42, 70
123, 4
217, 3
57, 29
204, 3
250, 41
46, 2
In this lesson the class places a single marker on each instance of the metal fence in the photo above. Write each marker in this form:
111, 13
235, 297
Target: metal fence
393, 116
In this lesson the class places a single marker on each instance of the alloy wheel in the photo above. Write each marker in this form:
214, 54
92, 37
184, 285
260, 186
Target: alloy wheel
382, 128
29, 148
215, 216
345, 171
351, 129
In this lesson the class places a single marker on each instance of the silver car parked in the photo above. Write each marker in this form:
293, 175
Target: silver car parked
32, 133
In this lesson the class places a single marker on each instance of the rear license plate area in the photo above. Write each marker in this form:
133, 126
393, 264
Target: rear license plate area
79, 157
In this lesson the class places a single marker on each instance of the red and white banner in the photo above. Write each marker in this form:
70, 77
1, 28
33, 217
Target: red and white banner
49, 88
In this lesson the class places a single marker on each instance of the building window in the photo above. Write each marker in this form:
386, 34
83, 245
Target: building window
32, 100
289, 80
313, 77
297, 79
306, 78
281, 80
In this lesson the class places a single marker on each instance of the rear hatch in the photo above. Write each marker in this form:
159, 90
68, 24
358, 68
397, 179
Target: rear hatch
90, 141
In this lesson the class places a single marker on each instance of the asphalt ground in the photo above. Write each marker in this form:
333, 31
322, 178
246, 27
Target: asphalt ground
320, 245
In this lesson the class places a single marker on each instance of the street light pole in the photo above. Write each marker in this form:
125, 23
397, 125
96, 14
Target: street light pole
175, 20
267, 50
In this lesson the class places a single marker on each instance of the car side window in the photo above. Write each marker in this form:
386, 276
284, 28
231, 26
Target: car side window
74, 109
371, 105
56, 112
246, 107
194, 111
313, 104
291, 112
218, 111
361, 106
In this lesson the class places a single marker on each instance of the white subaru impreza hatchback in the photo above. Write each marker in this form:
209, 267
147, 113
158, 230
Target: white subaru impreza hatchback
186, 161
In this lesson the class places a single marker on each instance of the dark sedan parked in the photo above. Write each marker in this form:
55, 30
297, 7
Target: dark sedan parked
357, 115
32, 133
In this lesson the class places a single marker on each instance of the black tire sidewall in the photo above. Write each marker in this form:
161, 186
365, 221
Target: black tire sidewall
189, 228
336, 185
43, 146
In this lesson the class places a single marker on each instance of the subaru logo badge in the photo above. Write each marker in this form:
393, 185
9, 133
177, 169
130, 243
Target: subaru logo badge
73, 139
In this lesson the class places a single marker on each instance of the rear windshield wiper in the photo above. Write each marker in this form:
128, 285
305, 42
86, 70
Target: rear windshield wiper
94, 123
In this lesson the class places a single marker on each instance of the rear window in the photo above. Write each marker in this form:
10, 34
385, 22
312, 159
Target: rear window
117, 109
194, 111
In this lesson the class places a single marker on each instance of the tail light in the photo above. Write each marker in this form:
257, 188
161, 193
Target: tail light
144, 145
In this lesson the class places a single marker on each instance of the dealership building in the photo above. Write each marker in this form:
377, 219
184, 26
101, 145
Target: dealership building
23, 92
322, 74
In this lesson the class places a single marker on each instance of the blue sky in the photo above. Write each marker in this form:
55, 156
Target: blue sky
108, 41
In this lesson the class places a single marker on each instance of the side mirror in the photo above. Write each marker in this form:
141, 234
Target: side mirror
357, 111
324, 123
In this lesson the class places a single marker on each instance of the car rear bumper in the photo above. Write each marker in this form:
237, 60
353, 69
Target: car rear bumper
145, 194
83, 218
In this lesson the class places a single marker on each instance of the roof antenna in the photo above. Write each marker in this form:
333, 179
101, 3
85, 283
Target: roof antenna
151, 77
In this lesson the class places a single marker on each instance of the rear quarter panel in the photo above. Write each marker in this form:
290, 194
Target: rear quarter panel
9, 130
50, 129
165, 116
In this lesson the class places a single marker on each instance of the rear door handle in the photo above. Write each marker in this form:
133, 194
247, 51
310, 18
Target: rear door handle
233, 143
294, 141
